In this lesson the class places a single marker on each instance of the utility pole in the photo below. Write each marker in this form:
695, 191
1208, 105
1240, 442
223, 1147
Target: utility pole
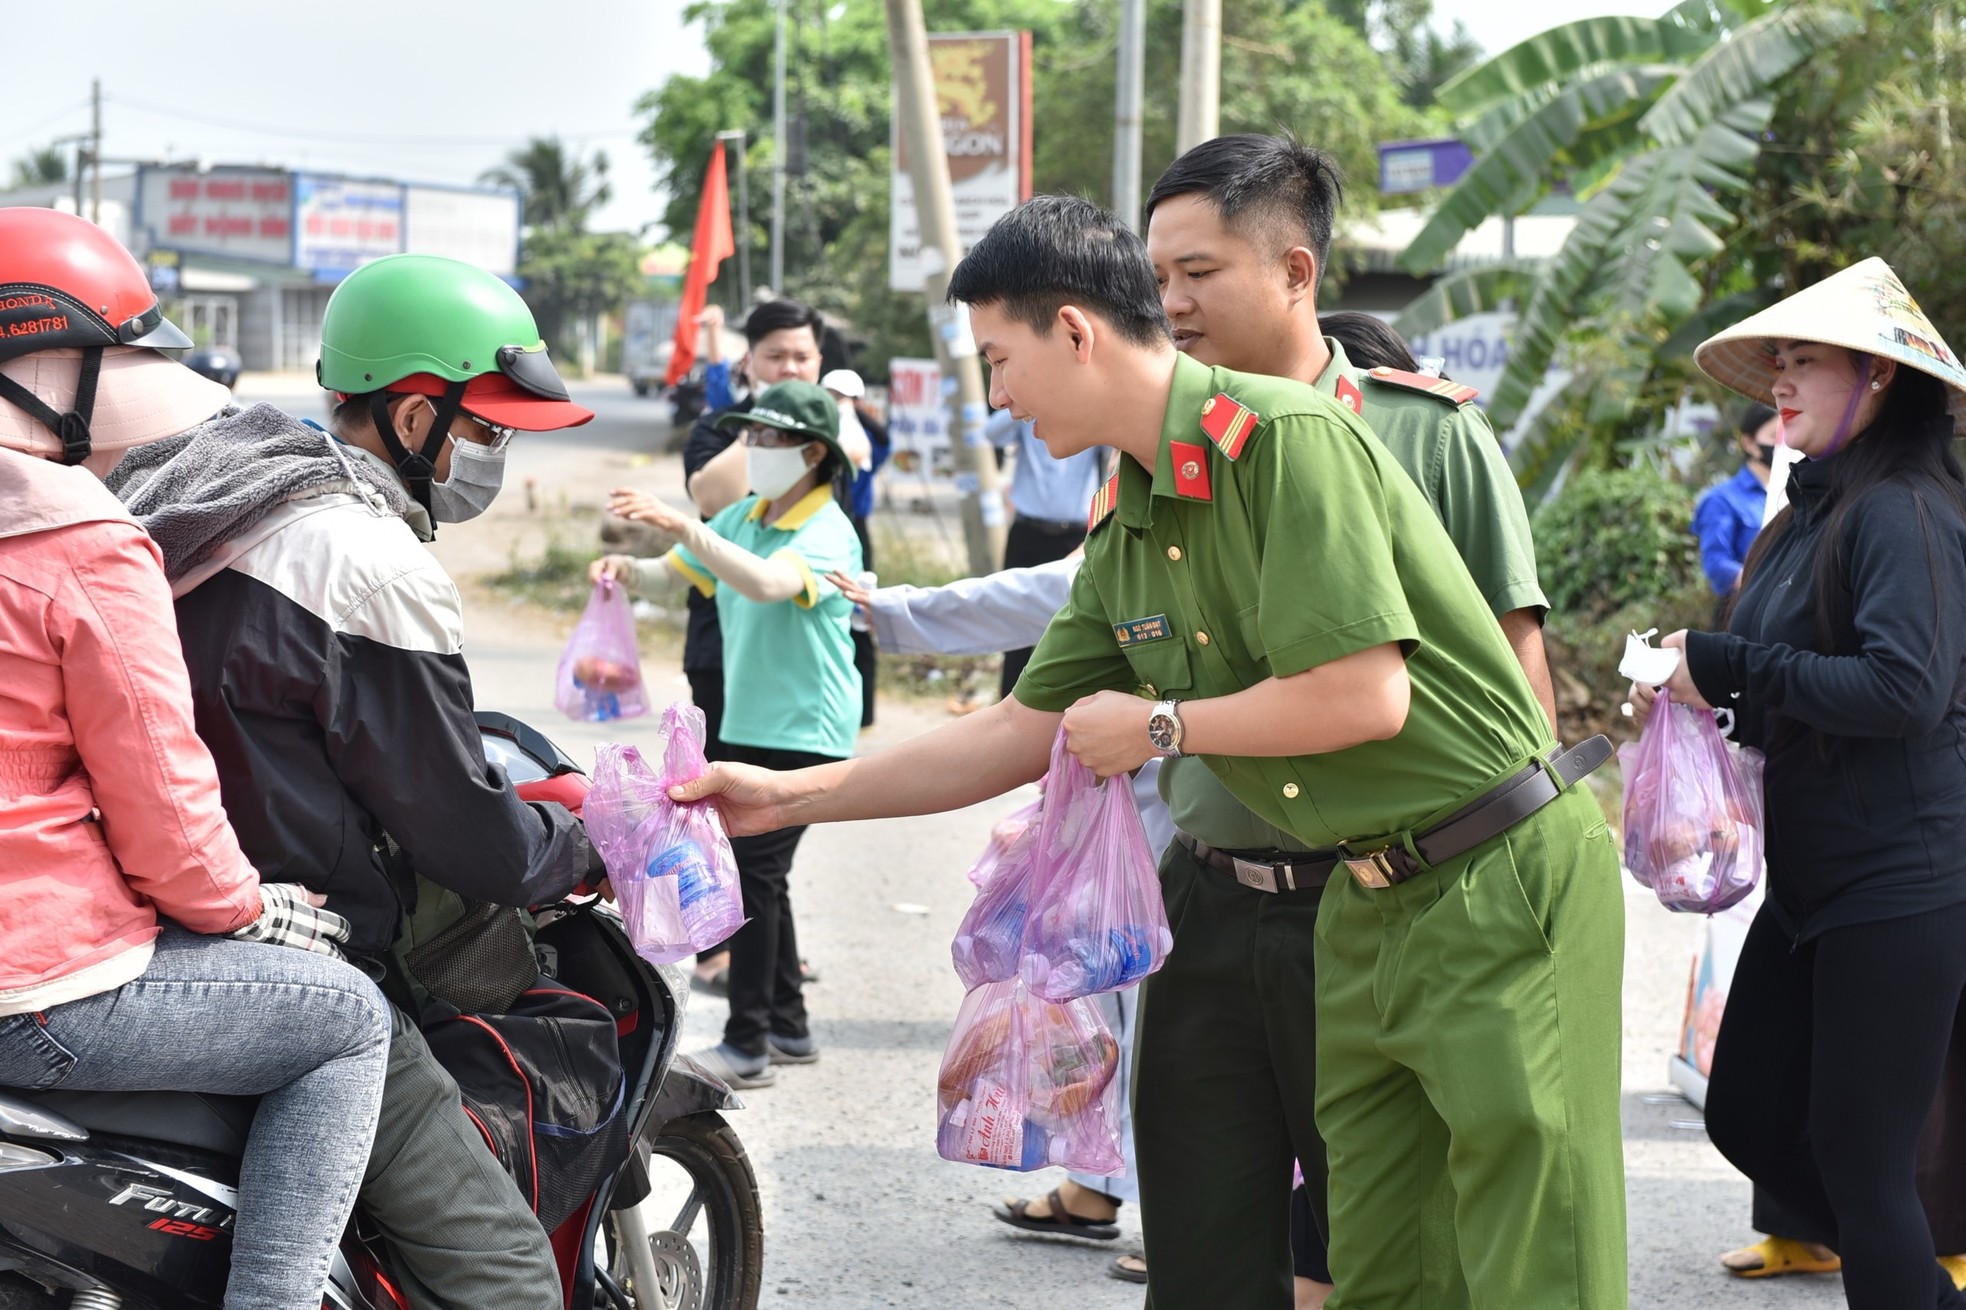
919, 115
1201, 75
736, 137
778, 158
95, 151
1131, 86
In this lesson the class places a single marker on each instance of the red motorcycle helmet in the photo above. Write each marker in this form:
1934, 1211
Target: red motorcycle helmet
67, 284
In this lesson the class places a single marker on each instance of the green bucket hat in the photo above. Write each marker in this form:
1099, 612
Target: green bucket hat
799, 407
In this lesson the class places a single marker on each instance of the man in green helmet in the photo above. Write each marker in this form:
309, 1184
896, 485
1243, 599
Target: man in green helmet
324, 644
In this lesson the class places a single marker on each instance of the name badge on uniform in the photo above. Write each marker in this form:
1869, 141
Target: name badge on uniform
1135, 631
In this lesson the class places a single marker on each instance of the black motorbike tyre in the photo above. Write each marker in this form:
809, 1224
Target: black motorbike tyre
706, 1147
17, 1293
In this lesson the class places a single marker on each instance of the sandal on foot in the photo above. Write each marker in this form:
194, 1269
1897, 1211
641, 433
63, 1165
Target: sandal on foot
1780, 1255
1130, 1268
1060, 1222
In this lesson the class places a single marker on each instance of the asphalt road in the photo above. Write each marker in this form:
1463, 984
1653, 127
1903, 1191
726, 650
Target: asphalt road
860, 1211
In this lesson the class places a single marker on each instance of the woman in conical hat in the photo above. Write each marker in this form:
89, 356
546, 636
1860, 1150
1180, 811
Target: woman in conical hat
1845, 662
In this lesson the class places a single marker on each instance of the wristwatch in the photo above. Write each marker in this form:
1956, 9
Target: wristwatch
1164, 729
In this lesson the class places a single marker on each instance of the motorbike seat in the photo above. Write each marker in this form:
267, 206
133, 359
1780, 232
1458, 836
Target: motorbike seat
200, 1119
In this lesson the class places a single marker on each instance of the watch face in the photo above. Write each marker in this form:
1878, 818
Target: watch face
1160, 731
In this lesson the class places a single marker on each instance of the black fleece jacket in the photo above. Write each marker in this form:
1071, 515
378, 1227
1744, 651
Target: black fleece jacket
1865, 735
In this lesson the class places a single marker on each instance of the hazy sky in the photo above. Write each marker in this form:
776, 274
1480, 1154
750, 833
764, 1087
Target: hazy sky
410, 89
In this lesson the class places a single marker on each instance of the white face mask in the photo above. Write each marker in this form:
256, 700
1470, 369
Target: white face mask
477, 472
774, 470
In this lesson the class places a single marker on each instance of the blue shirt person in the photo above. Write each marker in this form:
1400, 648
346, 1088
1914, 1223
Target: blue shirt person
1728, 516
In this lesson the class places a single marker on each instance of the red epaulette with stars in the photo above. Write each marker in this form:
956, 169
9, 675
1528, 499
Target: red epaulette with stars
1228, 423
1454, 393
1104, 502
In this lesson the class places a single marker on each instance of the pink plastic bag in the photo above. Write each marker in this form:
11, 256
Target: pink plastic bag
1005, 835
600, 674
1097, 922
1693, 825
671, 866
1027, 1084
989, 942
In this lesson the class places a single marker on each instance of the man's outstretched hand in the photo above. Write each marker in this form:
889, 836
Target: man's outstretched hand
752, 800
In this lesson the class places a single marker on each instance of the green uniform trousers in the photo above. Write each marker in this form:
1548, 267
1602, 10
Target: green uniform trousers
1470, 1025
1225, 1091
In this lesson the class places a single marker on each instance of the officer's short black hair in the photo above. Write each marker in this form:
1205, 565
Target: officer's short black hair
1053, 251
782, 315
1272, 191
1369, 342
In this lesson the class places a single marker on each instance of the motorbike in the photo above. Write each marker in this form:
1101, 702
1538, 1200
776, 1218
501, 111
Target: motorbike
115, 1200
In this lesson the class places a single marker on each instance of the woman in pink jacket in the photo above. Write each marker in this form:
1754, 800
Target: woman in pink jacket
122, 884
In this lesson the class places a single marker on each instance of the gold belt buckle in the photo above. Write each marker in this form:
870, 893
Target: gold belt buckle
1372, 869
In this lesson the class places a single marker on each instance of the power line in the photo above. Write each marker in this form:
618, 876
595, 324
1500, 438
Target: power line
349, 138
25, 133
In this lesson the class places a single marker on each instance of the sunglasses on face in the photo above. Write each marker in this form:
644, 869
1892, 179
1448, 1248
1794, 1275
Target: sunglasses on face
758, 434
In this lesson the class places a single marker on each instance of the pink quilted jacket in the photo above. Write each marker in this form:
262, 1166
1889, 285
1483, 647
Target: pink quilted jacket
109, 803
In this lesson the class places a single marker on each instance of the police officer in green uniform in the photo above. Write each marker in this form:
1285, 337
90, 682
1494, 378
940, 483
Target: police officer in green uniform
1265, 588
1238, 229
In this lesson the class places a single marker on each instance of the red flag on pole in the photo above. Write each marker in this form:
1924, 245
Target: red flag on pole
708, 249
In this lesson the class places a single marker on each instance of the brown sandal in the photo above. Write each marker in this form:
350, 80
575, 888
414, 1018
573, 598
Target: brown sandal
1059, 1223
1123, 1267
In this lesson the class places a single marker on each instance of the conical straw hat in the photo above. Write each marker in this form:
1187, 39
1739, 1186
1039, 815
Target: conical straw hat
1864, 308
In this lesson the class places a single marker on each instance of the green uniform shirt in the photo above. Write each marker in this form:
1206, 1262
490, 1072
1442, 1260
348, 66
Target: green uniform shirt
1213, 573
1447, 447
789, 678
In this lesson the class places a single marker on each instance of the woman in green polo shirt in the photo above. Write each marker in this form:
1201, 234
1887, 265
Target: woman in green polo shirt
794, 693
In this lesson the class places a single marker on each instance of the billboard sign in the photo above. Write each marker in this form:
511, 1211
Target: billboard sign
478, 227
918, 418
239, 213
1407, 166
342, 223
983, 96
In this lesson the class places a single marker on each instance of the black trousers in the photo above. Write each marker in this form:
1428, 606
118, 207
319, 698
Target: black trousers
766, 991
1941, 1164
1829, 1057
706, 692
1029, 542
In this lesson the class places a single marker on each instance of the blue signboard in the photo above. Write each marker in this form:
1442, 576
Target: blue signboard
1406, 166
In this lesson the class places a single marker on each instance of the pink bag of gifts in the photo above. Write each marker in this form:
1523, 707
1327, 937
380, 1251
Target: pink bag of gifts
1096, 920
671, 866
989, 942
1026, 1084
1005, 835
1693, 810
600, 674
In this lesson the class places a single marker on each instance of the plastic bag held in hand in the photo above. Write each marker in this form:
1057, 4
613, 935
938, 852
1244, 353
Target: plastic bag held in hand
671, 866
989, 942
1005, 835
600, 674
1693, 827
1097, 922
1027, 1083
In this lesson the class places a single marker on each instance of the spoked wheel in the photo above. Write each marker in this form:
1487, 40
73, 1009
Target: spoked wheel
708, 1253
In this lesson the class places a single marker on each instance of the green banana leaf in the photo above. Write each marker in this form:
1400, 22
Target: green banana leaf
1517, 168
1562, 54
1472, 291
1739, 68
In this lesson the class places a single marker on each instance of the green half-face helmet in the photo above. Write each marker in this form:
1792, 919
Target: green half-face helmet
439, 327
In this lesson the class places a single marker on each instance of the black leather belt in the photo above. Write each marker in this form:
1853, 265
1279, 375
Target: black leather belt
1391, 860
1266, 871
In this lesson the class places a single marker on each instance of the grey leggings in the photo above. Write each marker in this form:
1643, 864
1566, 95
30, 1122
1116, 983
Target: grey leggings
307, 1034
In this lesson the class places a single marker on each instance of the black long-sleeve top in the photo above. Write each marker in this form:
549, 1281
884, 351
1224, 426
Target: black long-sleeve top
1865, 736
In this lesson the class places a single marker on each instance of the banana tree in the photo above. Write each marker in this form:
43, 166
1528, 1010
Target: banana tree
1655, 124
